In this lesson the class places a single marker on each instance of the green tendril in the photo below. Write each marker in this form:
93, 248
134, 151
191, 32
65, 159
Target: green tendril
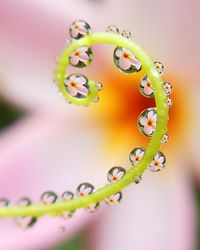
117, 40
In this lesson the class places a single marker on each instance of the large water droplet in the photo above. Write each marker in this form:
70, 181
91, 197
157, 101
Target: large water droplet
115, 174
81, 57
126, 61
111, 200
79, 29
136, 155
85, 189
158, 162
48, 197
77, 85
167, 88
145, 87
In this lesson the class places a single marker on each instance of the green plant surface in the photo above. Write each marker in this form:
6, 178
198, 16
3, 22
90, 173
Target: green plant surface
153, 146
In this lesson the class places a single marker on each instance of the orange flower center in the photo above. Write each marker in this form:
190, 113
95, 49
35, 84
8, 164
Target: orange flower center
74, 85
77, 53
114, 178
125, 55
150, 123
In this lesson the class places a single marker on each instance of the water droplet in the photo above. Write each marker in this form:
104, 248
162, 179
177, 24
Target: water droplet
112, 28
147, 122
126, 33
136, 155
138, 180
159, 67
92, 208
25, 221
48, 197
85, 189
126, 61
4, 202
77, 85
67, 214
113, 198
145, 87
24, 202
67, 196
169, 102
81, 57
115, 174
62, 229
165, 138
79, 29
167, 88
96, 99
99, 86
158, 162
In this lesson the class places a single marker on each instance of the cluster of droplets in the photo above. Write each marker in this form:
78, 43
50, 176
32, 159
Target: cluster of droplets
77, 86
125, 61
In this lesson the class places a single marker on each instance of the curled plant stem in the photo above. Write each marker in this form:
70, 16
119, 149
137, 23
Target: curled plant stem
55, 209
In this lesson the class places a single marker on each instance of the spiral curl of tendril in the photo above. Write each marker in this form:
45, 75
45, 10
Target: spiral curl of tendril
55, 209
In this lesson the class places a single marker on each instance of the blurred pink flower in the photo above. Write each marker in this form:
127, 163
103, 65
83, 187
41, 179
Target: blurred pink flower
37, 153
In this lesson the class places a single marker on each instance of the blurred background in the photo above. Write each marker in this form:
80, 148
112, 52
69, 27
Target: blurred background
47, 144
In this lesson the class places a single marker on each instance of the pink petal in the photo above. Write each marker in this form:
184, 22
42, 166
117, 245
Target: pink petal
74, 60
148, 130
150, 114
72, 91
143, 121
74, 32
82, 90
80, 80
124, 63
84, 57
147, 90
118, 52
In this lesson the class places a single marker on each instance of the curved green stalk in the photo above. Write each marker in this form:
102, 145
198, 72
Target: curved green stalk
153, 146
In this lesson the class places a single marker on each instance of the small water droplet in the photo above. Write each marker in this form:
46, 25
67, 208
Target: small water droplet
48, 197
112, 28
138, 180
126, 33
147, 122
92, 208
99, 86
4, 202
96, 99
167, 88
125, 61
159, 67
115, 174
165, 138
67, 196
111, 200
169, 102
79, 29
